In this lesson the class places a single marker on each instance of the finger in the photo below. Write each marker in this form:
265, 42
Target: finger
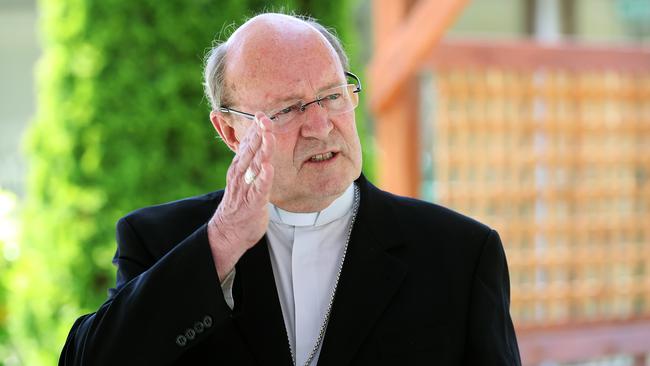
263, 155
268, 145
268, 139
262, 184
265, 152
256, 195
235, 177
264, 121
262, 151
249, 145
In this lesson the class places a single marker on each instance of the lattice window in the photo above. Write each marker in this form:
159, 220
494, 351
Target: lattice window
559, 163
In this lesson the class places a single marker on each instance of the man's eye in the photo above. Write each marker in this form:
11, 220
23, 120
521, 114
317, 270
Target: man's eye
287, 110
333, 96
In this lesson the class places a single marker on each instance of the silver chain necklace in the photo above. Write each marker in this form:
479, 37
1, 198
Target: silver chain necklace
326, 318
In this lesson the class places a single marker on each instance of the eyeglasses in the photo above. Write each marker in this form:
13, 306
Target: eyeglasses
336, 100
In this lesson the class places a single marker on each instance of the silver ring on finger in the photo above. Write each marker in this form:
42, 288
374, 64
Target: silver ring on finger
249, 176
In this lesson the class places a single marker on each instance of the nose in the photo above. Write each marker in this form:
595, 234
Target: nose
316, 122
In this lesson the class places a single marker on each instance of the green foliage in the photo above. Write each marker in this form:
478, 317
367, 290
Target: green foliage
9, 252
121, 124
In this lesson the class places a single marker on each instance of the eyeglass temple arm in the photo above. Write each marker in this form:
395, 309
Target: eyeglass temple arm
243, 114
356, 79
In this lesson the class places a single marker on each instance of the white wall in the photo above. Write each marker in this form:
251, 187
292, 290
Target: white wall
18, 53
484, 19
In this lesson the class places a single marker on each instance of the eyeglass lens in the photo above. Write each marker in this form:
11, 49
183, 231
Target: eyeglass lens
335, 101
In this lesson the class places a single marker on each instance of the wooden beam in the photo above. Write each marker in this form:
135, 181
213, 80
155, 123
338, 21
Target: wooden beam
401, 50
387, 17
397, 170
528, 56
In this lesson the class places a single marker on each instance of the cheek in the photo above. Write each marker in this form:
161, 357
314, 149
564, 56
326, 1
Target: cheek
348, 130
354, 145
284, 153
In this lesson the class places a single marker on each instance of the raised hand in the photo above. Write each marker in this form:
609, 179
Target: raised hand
242, 217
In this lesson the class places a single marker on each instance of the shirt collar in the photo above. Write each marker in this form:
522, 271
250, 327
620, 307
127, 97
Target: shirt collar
337, 209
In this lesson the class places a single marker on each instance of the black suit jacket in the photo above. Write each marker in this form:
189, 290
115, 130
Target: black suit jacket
421, 285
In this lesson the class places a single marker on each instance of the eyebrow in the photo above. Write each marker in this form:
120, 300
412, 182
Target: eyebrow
296, 97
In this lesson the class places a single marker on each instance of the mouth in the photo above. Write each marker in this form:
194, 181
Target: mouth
324, 157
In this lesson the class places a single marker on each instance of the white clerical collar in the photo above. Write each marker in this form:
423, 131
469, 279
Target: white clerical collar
334, 211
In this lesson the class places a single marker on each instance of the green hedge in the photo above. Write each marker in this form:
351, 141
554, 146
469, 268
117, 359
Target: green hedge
121, 124
9, 252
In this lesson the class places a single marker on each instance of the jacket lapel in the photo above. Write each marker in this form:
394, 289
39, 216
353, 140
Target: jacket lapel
257, 307
369, 279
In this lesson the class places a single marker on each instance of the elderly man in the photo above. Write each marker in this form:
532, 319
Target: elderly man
300, 260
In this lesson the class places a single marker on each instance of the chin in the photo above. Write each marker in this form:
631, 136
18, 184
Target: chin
332, 185
314, 188
331, 188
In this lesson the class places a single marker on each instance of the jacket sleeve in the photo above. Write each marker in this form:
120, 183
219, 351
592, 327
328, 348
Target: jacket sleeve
159, 308
491, 336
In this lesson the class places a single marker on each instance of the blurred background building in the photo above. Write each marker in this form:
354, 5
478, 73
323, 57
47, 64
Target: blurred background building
534, 117
531, 115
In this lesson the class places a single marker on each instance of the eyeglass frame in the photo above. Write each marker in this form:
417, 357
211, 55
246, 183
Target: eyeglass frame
251, 116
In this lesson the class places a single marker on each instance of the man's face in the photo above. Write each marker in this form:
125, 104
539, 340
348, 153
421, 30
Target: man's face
266, 74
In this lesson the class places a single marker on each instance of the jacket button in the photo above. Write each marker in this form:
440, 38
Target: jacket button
207, 321
198, 327
189, 333
181, 340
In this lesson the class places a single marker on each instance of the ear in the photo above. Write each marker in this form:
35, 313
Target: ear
225, 130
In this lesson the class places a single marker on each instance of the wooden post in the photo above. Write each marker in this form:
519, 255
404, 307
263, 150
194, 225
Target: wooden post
394, 127
398, 143
405, 32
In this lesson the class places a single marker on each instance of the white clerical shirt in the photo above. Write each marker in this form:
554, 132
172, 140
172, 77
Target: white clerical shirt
306, 250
